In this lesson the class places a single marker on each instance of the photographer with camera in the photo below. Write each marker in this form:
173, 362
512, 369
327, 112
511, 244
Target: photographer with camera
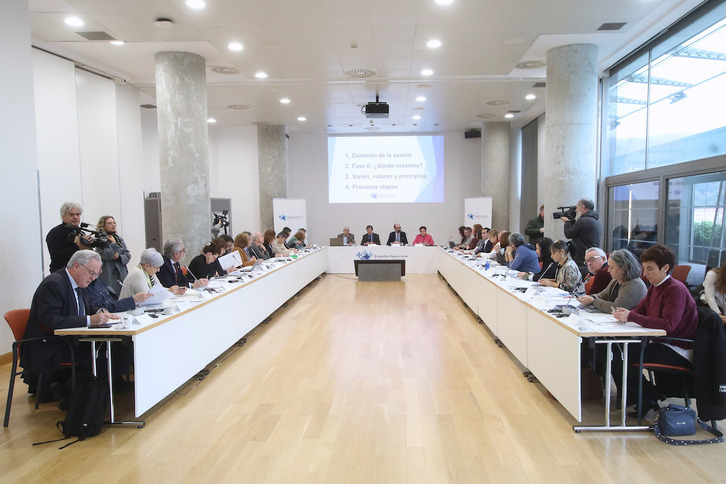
585, 231
66, 239
114, 254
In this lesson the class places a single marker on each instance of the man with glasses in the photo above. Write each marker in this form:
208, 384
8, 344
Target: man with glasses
171, 273
597, 267
58, 303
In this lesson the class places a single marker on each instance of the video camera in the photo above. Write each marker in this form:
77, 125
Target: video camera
569, 211
99, 239
220, 222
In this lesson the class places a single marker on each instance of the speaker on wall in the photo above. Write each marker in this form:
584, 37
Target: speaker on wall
472, 133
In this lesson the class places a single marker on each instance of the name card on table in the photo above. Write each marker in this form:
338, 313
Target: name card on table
143, 319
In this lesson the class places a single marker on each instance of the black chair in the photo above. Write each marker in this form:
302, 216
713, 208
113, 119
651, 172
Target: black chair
17, 320
704, 380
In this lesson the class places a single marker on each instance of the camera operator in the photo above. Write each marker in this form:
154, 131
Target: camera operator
65, 239
585, 231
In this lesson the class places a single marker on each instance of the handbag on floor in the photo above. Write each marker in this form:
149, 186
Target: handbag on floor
677, 421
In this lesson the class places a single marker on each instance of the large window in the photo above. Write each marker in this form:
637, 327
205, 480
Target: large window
664, 107
694, 226
633, 216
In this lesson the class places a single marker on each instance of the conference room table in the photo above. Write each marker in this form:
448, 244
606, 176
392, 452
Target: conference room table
201, 325
419, 259
548, 347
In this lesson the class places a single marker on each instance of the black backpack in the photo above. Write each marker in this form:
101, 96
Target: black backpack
87, 408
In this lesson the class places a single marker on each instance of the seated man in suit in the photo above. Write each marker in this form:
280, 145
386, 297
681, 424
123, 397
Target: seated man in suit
348, 238
58, 303
98, 298
397, 237
370, 238
170, 274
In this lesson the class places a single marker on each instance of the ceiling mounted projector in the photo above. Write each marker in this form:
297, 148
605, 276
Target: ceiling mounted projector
375, 110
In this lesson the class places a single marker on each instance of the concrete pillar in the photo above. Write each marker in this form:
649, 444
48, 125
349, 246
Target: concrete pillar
181, 96
272, 161
570, 171
495, 159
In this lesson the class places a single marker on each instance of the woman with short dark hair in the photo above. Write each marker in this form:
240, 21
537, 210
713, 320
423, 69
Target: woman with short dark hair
667, 305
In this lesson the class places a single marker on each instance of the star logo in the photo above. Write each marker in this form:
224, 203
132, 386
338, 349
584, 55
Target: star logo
470, 216
365, 255
282, 217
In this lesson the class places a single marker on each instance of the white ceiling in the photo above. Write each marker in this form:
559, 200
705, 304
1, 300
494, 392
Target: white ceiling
306, 45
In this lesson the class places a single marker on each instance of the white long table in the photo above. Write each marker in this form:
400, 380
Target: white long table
419, 260
547, 346
171, 350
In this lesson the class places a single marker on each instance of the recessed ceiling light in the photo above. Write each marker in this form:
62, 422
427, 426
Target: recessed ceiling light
261, 75
196, 4
211, 120
302, 118
285, 100
416, 117
530, 97
420, 99
509, 115
117, 42
74, 22
433, 44
427, 72
236, 46
444, 2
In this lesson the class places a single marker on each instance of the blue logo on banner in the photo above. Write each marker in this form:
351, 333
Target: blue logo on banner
282, 217
365, 255
470, 216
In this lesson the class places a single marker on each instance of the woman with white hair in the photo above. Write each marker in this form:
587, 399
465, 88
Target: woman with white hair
143, 277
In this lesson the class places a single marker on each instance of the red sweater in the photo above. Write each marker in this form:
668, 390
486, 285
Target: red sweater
669, 307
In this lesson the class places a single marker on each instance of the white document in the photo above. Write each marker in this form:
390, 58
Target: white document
233, 259
160, 293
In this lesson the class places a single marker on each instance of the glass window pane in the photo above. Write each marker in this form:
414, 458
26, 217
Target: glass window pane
625, 124
694, 223
686, 85
633, 216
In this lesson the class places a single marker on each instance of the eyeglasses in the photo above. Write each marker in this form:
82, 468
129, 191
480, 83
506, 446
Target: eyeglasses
90, 272
591, 260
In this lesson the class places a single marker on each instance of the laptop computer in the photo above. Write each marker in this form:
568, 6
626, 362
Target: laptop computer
336, 242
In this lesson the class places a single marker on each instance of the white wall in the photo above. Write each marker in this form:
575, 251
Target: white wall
308, 169
234, 174
20, 239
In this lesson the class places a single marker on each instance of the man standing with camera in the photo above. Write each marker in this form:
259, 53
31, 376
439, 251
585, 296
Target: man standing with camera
65, 239
585, 231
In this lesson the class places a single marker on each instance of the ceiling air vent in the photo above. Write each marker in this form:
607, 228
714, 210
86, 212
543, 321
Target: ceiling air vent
148, 106
611, 26
499, 102
539, 84
224, 70
96, 36
239, 107
530, 65
360, 73
485, 116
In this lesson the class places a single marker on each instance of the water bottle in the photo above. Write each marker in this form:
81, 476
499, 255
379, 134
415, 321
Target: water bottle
486, 265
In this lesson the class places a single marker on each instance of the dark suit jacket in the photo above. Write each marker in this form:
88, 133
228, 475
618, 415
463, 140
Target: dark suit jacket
366, 238
97, 296
53, 307
169, 276
61, 245
392, 238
